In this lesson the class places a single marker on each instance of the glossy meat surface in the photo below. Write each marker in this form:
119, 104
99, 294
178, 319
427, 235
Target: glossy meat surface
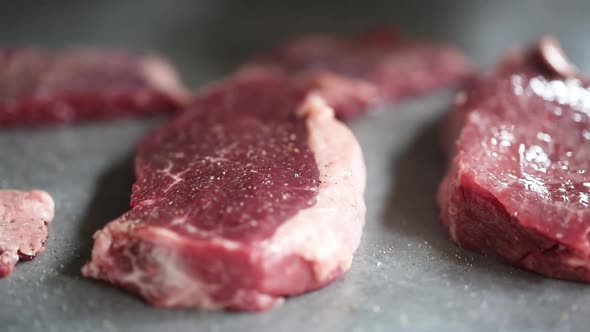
518, 185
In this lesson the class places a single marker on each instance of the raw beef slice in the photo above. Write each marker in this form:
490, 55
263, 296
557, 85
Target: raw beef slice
247, 198
376, 67
23, 226
518, 186
41, 87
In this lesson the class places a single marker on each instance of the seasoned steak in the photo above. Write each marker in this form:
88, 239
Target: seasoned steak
23, 226
41, 87
248, 197
356, 73
518, 186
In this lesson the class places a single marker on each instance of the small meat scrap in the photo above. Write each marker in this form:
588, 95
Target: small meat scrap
24, 216
376, 67
518, 186
252, 195
39, 87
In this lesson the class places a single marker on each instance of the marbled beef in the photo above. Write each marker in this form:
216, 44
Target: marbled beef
248, 197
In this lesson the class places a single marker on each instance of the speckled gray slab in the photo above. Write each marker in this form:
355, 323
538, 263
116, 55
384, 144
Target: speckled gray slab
407, 275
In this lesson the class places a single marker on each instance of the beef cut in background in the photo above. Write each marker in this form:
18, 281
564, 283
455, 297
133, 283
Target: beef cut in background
39, 87
357, 74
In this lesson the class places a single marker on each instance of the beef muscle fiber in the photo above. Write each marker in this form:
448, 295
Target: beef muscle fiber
518, 186
40, 87
248, 197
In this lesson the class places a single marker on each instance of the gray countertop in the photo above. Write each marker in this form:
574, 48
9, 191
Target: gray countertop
406, 276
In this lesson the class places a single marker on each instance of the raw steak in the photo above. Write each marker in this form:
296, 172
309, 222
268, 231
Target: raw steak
518, 186
23, 226
378, 66
247, 198
41, 87
544, 58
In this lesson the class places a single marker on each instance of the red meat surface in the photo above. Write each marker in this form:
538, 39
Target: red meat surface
252, 195
39, 87
518, 185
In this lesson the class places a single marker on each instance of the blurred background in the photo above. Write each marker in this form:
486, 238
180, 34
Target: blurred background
219, 34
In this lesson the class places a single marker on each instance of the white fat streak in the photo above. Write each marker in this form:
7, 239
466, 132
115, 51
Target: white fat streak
173, 287
176, 177
578, 261
165, 233
180, 289
163, 76
328, 233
